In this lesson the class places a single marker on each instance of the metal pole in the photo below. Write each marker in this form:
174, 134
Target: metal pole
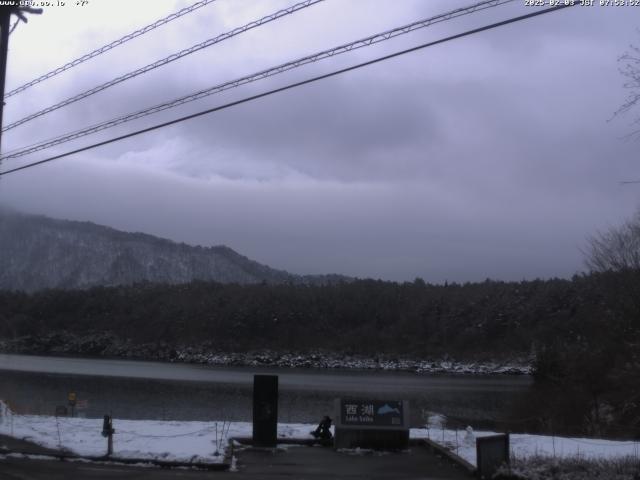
110, 444
108, 431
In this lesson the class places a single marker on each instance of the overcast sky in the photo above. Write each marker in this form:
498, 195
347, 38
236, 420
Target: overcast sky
488, 156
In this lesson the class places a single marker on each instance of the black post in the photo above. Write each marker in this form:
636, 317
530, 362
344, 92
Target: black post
265, 410
72, 402
108, 431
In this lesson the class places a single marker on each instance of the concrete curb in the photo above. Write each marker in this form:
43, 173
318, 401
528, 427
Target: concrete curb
120, 460
448, 454
228, 460
280, 441
247, 443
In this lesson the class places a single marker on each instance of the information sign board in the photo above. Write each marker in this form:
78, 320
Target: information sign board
378, 413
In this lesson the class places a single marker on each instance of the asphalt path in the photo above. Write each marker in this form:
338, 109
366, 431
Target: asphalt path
26, 469
296, 462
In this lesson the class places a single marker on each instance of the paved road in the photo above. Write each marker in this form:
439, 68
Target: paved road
315, 463
299, 462
19, 469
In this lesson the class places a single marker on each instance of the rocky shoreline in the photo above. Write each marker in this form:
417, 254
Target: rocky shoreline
106, 345
325, 360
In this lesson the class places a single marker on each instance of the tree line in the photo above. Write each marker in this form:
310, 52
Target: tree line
491, 319
582, 334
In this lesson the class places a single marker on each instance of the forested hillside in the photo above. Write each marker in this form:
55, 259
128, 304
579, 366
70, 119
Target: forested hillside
485, 319
581, 335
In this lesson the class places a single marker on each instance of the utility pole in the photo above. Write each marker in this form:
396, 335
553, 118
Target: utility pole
5, 25
5, 20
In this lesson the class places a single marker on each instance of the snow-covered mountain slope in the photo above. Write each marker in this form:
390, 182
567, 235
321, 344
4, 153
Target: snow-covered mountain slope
38, 252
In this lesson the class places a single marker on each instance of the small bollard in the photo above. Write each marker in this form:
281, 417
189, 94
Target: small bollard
108, 431
491, 452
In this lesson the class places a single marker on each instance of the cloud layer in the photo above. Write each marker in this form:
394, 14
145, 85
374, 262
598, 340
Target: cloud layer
489, 156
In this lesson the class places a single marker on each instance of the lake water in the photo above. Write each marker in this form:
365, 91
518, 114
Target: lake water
171, 391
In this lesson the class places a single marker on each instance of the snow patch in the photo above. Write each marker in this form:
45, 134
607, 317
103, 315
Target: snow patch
462, 443
199, 441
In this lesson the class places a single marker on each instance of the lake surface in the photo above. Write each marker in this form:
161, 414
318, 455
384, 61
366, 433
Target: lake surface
173, 391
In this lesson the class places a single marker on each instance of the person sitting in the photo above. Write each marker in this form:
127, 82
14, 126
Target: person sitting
323, 431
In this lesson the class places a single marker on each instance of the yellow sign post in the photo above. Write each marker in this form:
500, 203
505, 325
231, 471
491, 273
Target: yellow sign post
72, 401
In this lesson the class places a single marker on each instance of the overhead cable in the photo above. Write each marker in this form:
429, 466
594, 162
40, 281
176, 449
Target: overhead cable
164, 61
289, 87
110, 46
332, 52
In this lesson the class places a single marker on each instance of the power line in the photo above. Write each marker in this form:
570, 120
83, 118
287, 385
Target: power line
164, 61
364, 42
291, 86
112, 45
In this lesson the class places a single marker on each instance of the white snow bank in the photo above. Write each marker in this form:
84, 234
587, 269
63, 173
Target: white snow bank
525, 445
199, 441
145, 439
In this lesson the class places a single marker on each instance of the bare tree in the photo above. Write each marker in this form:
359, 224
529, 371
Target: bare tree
630, 69
617, 249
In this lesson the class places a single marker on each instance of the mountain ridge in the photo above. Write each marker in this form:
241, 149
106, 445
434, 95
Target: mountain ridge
40, 252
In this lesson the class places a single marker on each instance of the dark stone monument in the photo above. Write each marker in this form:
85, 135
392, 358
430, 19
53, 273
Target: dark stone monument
491, 452
376, 424
265, 410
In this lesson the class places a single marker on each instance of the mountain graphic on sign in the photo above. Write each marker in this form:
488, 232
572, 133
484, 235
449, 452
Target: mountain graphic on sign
383, 410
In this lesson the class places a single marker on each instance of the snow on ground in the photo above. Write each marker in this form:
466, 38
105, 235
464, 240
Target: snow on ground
199, 441
525, 445
164, 440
